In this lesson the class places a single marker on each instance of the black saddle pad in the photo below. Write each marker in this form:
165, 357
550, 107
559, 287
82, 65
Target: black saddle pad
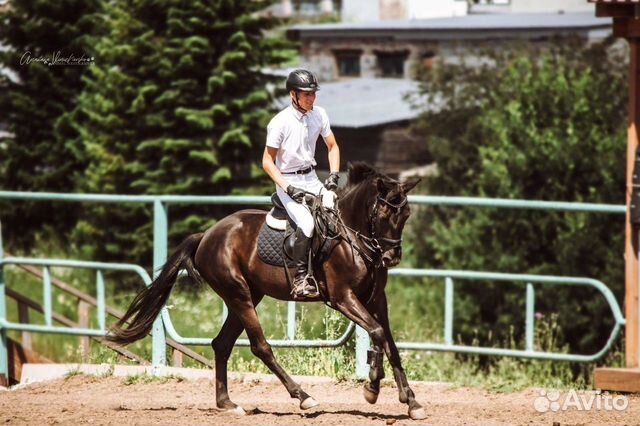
270, 245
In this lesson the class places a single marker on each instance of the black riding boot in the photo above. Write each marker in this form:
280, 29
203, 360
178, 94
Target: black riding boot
301, 286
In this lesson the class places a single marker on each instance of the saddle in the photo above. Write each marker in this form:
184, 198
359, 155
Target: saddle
275, 240
277, 218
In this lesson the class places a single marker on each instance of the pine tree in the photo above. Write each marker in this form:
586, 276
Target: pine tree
175, 104
45, 56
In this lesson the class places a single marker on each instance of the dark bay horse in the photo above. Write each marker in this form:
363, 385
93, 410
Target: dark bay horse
374, 210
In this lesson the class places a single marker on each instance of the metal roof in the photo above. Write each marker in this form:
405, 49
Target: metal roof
365, 102
482, 22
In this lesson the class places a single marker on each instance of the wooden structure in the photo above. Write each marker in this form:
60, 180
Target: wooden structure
21, 352
626, 23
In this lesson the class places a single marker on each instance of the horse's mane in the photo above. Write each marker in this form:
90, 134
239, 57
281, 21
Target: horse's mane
358, 172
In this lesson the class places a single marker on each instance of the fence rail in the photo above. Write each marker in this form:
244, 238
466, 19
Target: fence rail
529, 352
164, 324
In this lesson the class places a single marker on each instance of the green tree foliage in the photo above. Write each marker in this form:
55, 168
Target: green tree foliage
528, 125
44, 49
175, 104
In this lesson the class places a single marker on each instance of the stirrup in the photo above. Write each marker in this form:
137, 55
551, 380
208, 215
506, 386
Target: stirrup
307, 288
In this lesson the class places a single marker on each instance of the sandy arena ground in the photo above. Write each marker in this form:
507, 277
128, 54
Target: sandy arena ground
90, 400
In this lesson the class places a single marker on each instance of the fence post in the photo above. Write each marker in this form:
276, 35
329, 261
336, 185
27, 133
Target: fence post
160, 232
530, 318
4, 355
83, 322
362, 346
23, 315
177, 358
448, 311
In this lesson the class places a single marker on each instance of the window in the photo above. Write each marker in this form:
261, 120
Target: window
348, 62
391, 64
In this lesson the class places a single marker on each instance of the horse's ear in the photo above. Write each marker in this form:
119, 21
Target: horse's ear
409, 185
382, 186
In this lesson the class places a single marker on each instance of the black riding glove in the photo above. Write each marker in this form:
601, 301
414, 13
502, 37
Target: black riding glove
296, 194
332, 181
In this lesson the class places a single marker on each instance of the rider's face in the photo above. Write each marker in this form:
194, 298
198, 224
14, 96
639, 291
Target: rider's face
305, 99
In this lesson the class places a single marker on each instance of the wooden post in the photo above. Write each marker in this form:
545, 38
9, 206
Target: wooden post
632, 315
83, 322
23, 314
626, 23
177, 358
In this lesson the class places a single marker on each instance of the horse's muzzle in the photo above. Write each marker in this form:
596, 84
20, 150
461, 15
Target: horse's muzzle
391, 258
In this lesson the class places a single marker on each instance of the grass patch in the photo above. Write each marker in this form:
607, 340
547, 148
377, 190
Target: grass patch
74, 372
108, 372
145, 378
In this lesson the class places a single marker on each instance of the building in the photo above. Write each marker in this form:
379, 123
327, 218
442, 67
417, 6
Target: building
369, 60
532, 6
370, 118
381, 10
374, 10
391, 48
305, 8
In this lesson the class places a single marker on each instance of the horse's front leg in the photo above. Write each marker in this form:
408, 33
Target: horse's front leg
375, 359
380, 311
380, 335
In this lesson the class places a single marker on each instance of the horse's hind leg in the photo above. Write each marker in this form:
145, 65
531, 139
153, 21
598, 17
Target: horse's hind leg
222, 346
261, 348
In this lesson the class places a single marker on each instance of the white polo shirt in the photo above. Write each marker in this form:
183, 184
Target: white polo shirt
295, 135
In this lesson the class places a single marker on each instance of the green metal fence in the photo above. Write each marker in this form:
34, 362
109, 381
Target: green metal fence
164, 324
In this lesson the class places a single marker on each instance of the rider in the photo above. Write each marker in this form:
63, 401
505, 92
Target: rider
289, 160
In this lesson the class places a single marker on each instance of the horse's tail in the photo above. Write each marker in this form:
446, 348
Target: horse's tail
147, 305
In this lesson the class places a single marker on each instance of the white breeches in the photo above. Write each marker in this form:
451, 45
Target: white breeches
299, 212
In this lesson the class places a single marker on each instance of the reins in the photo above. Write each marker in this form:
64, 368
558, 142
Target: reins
371, 247
329, 226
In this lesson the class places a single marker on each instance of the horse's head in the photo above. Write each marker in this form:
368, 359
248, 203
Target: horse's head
387, 209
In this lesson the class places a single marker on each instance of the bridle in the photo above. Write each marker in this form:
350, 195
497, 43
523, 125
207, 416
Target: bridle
391, 243
370, 247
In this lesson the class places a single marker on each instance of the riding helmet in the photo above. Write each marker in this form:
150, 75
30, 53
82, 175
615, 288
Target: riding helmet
302, 80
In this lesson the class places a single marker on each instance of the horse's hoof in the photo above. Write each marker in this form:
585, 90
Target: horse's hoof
418, 414
238, 411
308, 403
370, 395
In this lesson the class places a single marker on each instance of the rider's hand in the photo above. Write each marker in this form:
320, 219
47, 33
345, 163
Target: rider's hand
332, 181
329, 199
296, 194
